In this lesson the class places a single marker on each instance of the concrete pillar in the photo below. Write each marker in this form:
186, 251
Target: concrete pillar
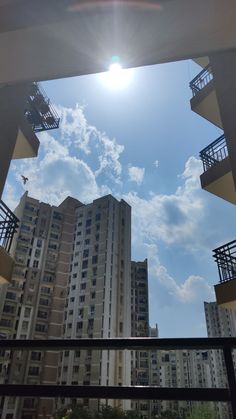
12, 104
224, 72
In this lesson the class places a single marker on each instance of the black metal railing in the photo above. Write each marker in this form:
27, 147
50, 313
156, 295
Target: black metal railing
214, 153
225, 257
39, 112
201, 80
127, 392
8, 226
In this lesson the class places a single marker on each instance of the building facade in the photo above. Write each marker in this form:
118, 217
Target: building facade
99, 292
71, 279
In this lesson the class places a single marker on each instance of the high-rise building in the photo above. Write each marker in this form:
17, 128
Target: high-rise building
71, 279
99, 292
35, 299
183, 368
140, 328
220, 322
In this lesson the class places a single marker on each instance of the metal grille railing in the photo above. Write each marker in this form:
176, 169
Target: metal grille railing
201, 80
225, 257
8, 226
39, 112
214, 153
124, 392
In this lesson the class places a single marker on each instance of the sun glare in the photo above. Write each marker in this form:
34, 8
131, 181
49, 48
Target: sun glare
116, 77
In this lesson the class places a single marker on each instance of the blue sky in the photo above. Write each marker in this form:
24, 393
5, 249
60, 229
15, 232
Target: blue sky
140, 143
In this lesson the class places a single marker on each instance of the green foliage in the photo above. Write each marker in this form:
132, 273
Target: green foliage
203, 412
106, 412
169, 414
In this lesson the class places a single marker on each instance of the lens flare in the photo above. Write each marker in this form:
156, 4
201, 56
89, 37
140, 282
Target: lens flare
116, 77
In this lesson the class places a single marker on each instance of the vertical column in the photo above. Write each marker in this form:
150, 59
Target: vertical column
12, 101
224, 72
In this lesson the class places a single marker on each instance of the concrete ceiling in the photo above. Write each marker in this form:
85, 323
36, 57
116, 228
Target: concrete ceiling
48, 39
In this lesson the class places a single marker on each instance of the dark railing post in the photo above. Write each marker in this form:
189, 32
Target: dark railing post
229, 365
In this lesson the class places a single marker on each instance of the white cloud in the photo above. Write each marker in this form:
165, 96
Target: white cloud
192, 289
56, 174
173, 218
156, 163
136, 174
77, 133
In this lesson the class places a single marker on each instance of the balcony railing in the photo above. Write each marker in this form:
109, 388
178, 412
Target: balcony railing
225, 257
214, 153
124, 392
39, 112
8, 226
201, 80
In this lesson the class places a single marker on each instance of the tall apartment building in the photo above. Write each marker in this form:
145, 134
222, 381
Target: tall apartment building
140, 328
220, 322
71, 279
99, 292
144, 369
35, 298
182, 368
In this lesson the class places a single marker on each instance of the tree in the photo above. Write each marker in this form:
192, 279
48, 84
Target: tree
203, 412
106, 412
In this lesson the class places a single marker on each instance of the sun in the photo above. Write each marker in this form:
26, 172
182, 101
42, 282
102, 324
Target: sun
116, 78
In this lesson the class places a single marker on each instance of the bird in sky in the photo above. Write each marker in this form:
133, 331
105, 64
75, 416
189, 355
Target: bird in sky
25, 179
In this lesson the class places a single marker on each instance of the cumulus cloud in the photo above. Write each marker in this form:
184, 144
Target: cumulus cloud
136, 174
56, 174
173, 218
77, 133
70, 163
192, 289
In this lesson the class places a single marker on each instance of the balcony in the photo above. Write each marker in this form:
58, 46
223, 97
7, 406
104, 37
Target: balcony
8, 226
217, 176
39, 115
126, 392
225, 257
204, 101
39, 112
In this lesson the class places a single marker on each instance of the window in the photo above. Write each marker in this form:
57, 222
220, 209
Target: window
35, 264
98, 217
94, 282
88, 231
36, 356
85, 264
78, 233
37, 253
80, 224
93, 294
86, 253
76, 368
87, 241
40, 328
44, 301
94, 259
84, 274
27, 311
83, 286
81, 313
82, 298
97, 237
42, 314
33, 371
79, 325
77, 244
74, 276
88, 222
